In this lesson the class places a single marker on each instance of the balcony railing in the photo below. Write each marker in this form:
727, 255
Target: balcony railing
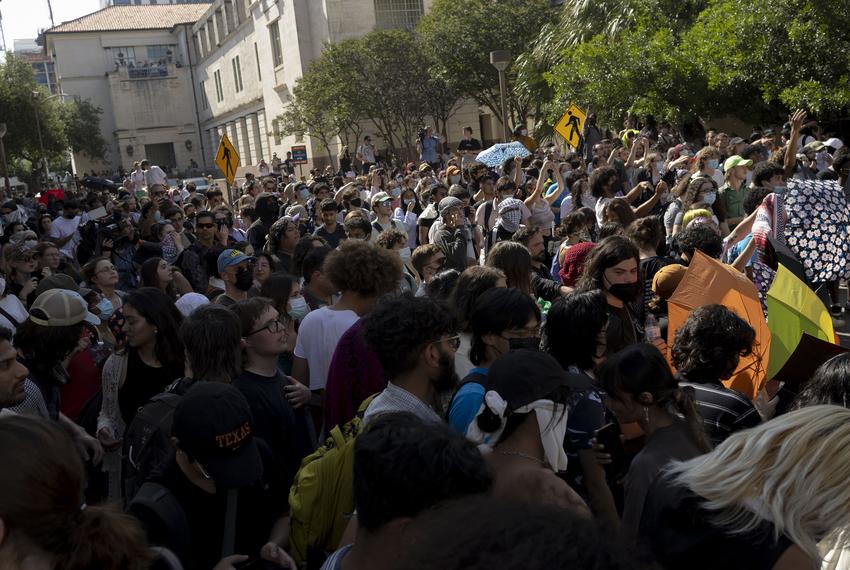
147, 69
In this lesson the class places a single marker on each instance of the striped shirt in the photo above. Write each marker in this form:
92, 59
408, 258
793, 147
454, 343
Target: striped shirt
724, 411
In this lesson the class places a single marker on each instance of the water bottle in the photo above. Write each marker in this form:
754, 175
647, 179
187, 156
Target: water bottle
651, 328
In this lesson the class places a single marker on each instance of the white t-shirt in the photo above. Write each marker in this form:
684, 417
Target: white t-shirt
587, 201
155, 175
367, 151
63, 227
138, 178
318, 336
12, 305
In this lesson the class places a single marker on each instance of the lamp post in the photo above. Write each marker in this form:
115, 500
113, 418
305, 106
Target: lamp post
3, 159
501, 59
35, 99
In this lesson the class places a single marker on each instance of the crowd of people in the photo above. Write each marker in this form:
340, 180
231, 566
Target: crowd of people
432, 365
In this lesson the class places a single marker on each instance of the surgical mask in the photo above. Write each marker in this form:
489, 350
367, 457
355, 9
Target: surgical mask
779, 190
105, 309
408, 201
395, 192
749, 177
157, 216
244, 279
304, 193
524, 132
528, 343
454, 179
298, 308
625, 292
2, 286
404, 254
709, 197
713, 163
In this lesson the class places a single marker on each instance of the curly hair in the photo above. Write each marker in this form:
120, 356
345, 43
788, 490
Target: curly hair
620, 208
388, 239
693, 189
276, 231
600, 178
303, 247
709, 345
755, 198
699, 237
401, 326
571, 224
363, 268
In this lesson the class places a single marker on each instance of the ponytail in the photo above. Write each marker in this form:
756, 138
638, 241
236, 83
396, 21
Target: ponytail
107, 539
685, 402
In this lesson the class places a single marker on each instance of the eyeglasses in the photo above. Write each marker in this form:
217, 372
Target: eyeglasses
454, 341
204, 226
273, 327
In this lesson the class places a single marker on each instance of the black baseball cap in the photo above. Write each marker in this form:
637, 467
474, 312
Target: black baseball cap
214, 426
524, 376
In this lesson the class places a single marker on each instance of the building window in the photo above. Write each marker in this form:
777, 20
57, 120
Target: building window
121, 56
398, 14
274, 36
237, 73
257, 57
219, 93
205, 103
276, 131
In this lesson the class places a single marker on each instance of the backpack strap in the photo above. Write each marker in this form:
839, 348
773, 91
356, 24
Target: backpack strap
9, 317
471, 378
228, 545
157, 499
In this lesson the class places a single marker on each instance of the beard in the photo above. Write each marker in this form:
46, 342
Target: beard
447, 378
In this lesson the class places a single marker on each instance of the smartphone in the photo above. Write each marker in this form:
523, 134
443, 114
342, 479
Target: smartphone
609, 437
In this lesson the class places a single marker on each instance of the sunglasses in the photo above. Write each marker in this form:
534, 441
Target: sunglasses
454, 341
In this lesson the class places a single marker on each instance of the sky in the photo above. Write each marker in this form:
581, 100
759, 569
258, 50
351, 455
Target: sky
22, 19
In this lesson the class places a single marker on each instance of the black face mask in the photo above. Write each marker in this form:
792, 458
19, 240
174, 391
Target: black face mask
626, 292
528, 343
244, 279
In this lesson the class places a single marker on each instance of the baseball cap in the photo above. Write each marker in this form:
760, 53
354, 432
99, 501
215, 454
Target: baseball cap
448, 203
452, 170
298, 212
523, 376
231, 257
60, 281
380, 197
424, 166
834, 143
734, 161
214, 426
736, 140
61, 308
191, 301
814, 146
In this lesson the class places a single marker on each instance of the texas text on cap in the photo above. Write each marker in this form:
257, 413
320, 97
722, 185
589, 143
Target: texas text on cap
213, 426
230, 257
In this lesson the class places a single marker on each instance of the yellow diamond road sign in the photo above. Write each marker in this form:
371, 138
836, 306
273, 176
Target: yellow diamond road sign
571, 125
227, 159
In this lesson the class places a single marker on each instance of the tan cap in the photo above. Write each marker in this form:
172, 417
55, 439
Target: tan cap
667, 279
61, 308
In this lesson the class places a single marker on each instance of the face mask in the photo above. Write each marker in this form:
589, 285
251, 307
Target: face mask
709, 197
298, 308
625, 292
244, 279
659, 166
404, 254
779, 190
157, 216
749, 178
395, 192
105, 309
528, 343
713, 163
406, 202
304, 193
524, 132
2, 286
454, 179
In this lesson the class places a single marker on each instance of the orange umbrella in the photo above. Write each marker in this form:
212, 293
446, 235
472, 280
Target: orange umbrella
708, 282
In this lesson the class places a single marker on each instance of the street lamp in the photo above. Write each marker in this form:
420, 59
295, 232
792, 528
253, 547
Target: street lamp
36, 97
3, 159
501, 59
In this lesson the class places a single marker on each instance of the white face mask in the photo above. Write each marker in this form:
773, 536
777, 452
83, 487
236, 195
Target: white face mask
709, 197
749, 177
404, 254
2, 286
298, 308
454, 179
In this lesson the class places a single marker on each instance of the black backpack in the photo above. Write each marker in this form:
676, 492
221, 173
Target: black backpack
147, 441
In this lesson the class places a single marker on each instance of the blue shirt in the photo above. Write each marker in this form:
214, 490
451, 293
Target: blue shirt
467, 401
739, 248
429, 149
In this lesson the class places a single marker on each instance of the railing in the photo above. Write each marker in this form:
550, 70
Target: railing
146, 69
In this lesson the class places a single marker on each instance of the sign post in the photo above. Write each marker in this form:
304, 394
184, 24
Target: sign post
571, 126
299, 157
227, 159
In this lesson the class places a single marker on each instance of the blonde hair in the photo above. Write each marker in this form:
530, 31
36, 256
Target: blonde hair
792, 471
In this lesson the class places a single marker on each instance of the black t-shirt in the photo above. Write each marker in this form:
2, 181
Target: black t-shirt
679, 532
142, 383
333, 238
471, 144
258, 508
622, 329
282, 428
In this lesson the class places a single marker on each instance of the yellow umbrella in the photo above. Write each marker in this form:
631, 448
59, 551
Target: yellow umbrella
708, 282
793, 309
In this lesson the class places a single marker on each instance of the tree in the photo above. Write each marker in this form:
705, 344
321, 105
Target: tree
459, 36
82, 127
306, 115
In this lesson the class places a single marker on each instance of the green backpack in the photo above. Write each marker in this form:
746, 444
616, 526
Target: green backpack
321, 500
